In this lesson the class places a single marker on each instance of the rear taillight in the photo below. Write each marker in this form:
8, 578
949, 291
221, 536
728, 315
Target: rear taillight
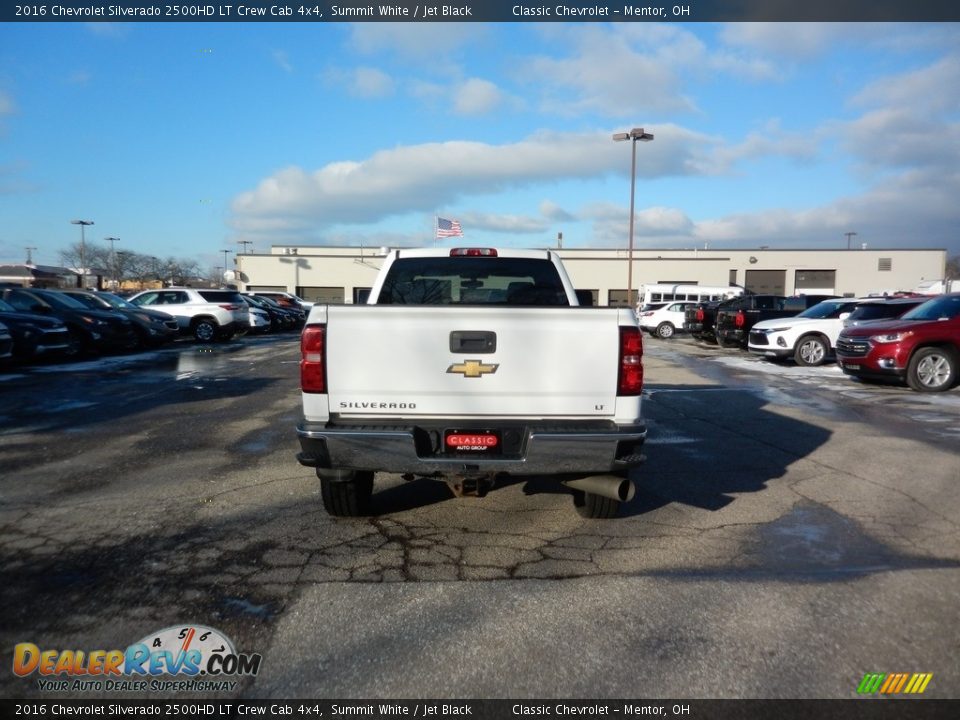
630, 376
699, 314
313, 355
231, 308
740, 320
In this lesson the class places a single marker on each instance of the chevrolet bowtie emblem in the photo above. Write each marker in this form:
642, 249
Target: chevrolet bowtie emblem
472, 368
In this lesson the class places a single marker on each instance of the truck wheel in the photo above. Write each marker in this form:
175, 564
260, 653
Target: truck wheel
346, 493
811, 350
932, 369
665, 330
205, 330
597, 507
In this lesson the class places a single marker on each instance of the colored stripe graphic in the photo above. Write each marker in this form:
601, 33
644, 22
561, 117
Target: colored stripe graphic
894, 683
870, 683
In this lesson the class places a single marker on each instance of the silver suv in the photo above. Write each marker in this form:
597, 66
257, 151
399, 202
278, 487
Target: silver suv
206, 314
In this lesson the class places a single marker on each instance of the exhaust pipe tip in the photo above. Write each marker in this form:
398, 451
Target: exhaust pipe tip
608, 486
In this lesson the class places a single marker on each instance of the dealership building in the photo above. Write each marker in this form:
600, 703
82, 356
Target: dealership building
338, 275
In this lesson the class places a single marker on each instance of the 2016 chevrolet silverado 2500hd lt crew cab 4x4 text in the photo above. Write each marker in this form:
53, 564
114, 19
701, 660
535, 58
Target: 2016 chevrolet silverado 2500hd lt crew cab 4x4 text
465, 364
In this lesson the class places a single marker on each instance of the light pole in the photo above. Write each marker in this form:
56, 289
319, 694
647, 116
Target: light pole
633, 135
849, 235
244, 243
83, 247
225, 253
115, 281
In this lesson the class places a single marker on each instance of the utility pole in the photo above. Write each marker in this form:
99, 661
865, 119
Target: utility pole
244, 243
83, 249
113, 261
849, 235
29, 254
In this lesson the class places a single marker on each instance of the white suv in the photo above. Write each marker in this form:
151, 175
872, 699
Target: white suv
665, 320
206, 314
808, 337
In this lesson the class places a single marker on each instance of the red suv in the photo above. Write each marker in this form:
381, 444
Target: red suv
922, 346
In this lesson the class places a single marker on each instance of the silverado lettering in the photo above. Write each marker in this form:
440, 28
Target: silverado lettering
377, 406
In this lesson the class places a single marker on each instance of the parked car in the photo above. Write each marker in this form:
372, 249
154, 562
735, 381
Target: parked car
208, 315
808, 338
285, 299
260, 320
922, 346
89, 331
34, 335
153, 328
280, 318
882, 309
295, 312
6, 343
664, 321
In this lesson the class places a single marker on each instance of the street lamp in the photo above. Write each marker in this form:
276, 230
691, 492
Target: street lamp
83, 246
849, 235
113, 261
634, 135
225, 253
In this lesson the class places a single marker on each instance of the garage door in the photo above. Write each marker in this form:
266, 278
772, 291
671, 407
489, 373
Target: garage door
766, 282
815, 282
322, 295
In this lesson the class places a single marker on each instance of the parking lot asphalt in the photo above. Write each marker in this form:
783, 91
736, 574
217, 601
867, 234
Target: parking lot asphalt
792, 530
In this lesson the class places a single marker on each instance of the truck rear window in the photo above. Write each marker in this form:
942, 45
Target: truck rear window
472, 281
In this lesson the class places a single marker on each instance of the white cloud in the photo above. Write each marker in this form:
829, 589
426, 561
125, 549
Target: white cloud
514, 224
934, 88
797, 40
361, 82
476, 97
7, 106
282, 59
425, 42
554, 212
631, 69
422, 177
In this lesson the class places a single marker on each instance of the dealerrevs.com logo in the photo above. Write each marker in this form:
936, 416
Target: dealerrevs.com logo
177, 658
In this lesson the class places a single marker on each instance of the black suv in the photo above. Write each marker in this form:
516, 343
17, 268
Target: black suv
153, 327
90, 331
34, 336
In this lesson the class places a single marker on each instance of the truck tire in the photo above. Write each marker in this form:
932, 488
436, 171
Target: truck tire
811, 350
205, 330
346, 493
665, 330
932, 369
596, 507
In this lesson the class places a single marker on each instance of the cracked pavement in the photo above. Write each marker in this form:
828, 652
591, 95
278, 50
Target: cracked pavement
778, 516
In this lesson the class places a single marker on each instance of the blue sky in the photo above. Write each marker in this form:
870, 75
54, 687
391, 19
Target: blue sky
183, 139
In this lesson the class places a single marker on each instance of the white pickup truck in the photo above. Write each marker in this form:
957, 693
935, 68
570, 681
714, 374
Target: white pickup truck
465, 364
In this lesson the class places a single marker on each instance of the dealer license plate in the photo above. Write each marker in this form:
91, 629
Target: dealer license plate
471, 442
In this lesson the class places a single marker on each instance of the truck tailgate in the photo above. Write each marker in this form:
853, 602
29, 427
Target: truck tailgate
402, 361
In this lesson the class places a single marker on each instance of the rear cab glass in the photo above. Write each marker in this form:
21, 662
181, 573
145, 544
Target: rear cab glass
473, 281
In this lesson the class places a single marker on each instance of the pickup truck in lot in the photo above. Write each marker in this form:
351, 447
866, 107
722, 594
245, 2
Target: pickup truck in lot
735, 317
922, 346
466, 364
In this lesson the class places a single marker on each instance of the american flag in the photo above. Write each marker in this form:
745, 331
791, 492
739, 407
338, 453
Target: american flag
448, 228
